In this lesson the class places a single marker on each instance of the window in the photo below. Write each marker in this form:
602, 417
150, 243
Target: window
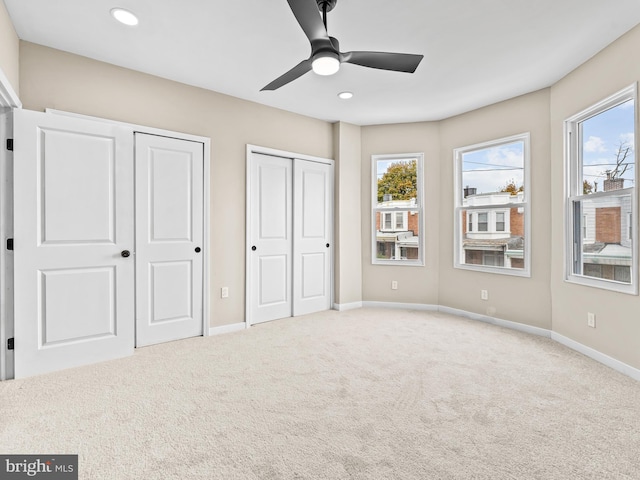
397, 215
492, 195
483, 225
601, 168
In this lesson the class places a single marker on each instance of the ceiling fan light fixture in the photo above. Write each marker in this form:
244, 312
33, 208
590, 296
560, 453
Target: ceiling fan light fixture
124, 16
326, 64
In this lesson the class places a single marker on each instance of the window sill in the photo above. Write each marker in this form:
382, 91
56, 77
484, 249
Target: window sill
514, 272
611, 285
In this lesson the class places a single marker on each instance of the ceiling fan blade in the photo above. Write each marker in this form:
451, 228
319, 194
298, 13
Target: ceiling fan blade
296, 72
309, 18
398, 62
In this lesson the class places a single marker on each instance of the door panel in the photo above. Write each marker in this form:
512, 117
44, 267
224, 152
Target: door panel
74, 292
78, 304
169, 229
171, 290
271, 234
312, 238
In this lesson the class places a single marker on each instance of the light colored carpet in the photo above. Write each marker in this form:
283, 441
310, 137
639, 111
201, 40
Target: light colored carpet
363, 394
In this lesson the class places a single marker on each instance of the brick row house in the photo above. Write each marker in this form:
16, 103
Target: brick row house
606, 232
493, 235
397, 232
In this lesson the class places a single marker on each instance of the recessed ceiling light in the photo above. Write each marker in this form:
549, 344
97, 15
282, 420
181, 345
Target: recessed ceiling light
345, 95
124, 16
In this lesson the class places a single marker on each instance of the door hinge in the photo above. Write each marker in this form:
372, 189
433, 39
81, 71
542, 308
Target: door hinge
10, 344
9, 243
10, 144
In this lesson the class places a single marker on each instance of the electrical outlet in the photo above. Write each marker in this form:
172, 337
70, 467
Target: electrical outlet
394, 285
224, 292
591, 320
484, 294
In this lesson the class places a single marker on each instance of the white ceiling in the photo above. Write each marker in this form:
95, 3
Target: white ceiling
477, 52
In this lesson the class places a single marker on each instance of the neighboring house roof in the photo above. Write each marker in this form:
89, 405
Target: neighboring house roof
512, 243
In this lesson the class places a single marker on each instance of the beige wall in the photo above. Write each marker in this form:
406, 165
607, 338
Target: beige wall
9, 49
347, 140
617, 331
51, 78
415, 284
518, 299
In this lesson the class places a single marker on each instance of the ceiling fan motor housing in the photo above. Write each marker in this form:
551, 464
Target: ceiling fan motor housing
329, 3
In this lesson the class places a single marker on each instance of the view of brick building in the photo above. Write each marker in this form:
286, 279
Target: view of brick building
606, 231
397, 232
493, 235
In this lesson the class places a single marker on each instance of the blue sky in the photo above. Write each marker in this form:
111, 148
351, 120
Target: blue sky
601, 137
490, 169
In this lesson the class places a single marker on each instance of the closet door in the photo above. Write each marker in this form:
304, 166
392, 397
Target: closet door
169, 235
312, 220
270, 248
73, 236
289, 259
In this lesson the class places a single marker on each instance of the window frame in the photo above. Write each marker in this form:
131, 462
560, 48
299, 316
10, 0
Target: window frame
573, 192
525, 204
503, 222
419, 208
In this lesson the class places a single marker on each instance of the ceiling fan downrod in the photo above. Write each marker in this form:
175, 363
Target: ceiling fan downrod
326, 6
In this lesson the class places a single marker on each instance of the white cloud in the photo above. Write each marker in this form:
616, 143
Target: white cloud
594, 144
628, 138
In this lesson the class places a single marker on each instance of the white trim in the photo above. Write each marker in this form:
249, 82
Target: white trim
234, 327
343, 307
8, 100
133, 126
525, 204
6, 257
402, 306
597, 356
284, 154
206, 212
419, 207
8, 96
542, 332
572, 165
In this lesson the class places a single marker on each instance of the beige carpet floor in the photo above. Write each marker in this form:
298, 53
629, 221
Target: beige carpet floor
363, 394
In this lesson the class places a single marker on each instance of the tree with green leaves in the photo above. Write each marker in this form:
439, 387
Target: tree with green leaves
400, 181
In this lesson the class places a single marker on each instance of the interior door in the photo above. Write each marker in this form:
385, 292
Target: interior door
73, 230
270, 246
169, 235
312, 218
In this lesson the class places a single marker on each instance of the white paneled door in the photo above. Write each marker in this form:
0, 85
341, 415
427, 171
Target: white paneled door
290, 218
312, 217
271, 237
169, 235
108, 241
73, 269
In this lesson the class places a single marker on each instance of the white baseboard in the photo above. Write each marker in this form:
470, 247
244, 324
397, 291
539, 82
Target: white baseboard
234, 327
597, 356
600, 357
343, 307
542, 332
402, 306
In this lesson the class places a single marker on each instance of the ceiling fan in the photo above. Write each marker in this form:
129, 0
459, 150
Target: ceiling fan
326, 56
